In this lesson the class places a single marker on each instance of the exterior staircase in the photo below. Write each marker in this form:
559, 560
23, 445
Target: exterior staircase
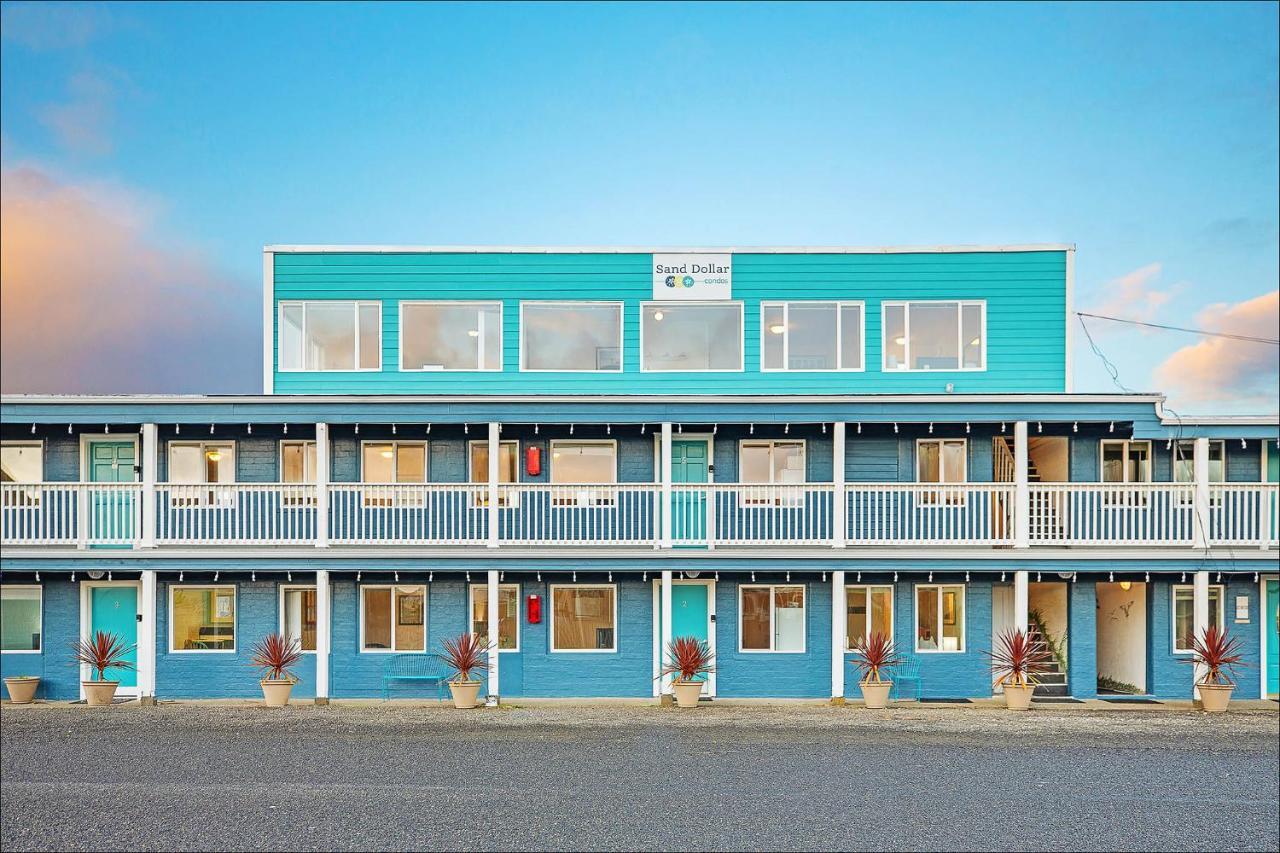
1046, 515
1054, 681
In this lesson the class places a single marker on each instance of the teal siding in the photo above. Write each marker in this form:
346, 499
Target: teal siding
1025, 294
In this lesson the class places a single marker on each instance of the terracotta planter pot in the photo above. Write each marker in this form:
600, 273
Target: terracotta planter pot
1214, 698
465, 694
875, 694
99, 692
1017, 697
276, 693
22, 688
687, 693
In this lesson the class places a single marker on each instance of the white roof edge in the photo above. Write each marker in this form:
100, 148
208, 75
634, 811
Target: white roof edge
285, 248
1168, 419
231, 399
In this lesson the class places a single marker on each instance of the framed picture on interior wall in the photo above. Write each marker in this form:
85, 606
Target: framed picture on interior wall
410, 610
949, 608
222, 605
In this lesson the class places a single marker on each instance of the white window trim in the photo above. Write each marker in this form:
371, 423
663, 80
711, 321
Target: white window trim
868, 587
196, 495
551, 618
1125, 443
772, 493
786, 335
964, 468
202, 446
622, 356
355, 303
773, 442
426, 618
610, 496
507, 496
471, 608
674, 306
280, 446
395, 460
235, 618
906, 333
773, 606
39, 588
1177, 449
281, 589
964, 618
480, 339
39, 445
1173, 611
34, 494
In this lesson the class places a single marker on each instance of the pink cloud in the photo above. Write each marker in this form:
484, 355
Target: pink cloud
1218, 369
1133, 296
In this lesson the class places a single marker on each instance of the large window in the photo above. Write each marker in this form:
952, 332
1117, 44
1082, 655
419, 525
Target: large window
297, 461
771, 462
934, 335
1184, 469
868, 611
202, 618
450, 335
330, 336
811, 336
199, 463
940, 460
20, 623
21, 462
584, 462
298, 615
508, 615
771, 618
1184, 615
690, 336
940, 618
393, 618
383, 462
584, 618
1126, 461
571, 336
508, 470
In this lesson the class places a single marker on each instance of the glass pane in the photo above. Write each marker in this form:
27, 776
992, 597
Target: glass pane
895, 341
442, 337
186, 464
1113, 462
855, 617
300, 616
203, 619
691, 337
775, 330
755, 618
953, 461
928, 462
927, 627
330, 342
21, 463
971, 335
952, 618
410, 619
370, 337
378, 463
219, 463
377, 618
933, 336
1184, 469
583, 463
1217, 462
1215, 607
1139, 470
572, 337
298, 462
755, 464
788, 619
1183, 618
583, 618
851, 337
788, 462
290, 345
20, 622
882, 610
491, 336
508, 457
812, 335
508, 608
411, 463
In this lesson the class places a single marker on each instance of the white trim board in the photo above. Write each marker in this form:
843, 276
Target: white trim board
325, 248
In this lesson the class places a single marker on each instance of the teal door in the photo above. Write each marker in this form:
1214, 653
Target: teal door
1272, 627
112, 512
114, 609
691, 617
689, 464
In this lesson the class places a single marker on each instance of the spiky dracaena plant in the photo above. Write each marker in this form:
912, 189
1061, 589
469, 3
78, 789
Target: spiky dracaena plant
1016, 660
1219, 654
102, 652
274, 654
873, 655
688, 658
465, 654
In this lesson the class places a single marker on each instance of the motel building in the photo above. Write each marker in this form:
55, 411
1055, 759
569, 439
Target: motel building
584, 452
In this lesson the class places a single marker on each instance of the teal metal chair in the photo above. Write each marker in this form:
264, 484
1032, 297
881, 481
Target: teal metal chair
906, 675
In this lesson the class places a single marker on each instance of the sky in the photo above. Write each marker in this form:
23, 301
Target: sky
148, 152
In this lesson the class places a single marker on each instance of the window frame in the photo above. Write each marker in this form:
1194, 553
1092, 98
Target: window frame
39, 588
717, 303
507, 497
1125, 443
235, 618
202, 494
32, 495
281, 589
543, 303
840, 305
303, 442
609, 495
764, 493
947, 493
551, 618
1174, 589
868, 587
964, 617
773, 606
471, 608
355, 305
395, 459
906, 304
426, 618
480, 340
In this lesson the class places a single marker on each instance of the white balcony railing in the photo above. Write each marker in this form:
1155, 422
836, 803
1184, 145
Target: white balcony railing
930, 514
1244, 514
1112, 514
70, 513
407, 513
707, 514
578, 513
235, 514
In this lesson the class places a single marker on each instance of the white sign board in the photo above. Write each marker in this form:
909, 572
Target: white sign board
1242, 608
692, 277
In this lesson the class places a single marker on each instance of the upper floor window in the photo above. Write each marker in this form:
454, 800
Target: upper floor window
571, 336
450, 335
771, 462
297, 461
1126, 461
940, 460
811, 336
1184, 469
935, 335
21, 462
330, 336
584, 462
384, 462
690, 336
508, 471
198, 463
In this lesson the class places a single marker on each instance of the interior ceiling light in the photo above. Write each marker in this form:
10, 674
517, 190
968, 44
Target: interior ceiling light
777, 328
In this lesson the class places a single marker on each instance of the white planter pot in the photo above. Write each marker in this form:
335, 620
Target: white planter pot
687, 693
875, 694
1214, 698
465, 694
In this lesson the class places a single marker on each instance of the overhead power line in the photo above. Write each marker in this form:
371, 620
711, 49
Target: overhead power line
1250, 338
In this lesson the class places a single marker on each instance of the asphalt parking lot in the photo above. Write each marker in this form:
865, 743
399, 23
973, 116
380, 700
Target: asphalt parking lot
195, 777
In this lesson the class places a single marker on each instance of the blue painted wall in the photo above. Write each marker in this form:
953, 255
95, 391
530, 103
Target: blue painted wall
1082, 638
1168, 675
60, 628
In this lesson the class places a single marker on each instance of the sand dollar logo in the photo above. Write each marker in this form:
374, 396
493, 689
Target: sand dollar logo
671, 281
688, 281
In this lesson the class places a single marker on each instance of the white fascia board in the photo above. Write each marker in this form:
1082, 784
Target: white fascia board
645, 250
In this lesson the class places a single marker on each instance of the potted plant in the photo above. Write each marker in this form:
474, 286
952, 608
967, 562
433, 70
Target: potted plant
274, 654
871, 657
100, 653
1016, 661
22, 688
463, 655
1219, 654
689, 661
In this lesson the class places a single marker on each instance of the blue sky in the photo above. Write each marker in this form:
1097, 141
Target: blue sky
192, 135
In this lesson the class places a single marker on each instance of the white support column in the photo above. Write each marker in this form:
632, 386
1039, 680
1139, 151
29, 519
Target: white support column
1021, 596
1199, 619
840, 520
1021, 488
664, 641
147, 639
838, 627
495, 657
495, 444
322, 486
665, 473
149, 457
1200, 466
324, 641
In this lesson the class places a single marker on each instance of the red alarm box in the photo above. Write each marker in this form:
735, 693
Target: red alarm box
533, 460
535, 609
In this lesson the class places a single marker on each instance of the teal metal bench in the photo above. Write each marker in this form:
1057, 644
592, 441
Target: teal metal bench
414, 668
